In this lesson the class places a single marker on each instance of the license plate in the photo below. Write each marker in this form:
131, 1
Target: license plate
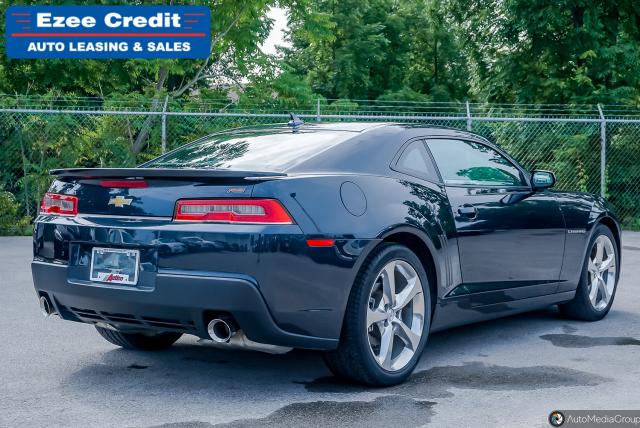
115, 265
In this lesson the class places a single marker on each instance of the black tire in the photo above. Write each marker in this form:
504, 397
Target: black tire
139, 342
353, 359
580, 308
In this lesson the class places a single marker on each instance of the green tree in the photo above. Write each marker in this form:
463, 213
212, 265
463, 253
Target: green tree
237, 26
11, 222
366, 49
336, 44
553, 51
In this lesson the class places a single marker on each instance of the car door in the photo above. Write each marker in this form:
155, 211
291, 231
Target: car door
510, 239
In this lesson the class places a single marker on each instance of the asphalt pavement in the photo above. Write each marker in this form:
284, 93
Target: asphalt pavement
509, 372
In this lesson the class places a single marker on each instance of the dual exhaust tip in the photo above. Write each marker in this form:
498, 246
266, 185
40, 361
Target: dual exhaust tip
221, 329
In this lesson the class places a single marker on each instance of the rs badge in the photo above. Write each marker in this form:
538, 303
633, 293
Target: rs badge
120, 201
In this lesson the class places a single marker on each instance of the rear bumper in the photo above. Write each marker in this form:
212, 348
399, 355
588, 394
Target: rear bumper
180, 301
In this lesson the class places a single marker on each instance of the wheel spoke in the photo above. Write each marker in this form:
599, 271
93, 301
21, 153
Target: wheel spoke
389, 283
412, 289
410, 338
599, 252
386, 347
604, 291
375, 316
403, 271
593, 291
607, 264
592, 266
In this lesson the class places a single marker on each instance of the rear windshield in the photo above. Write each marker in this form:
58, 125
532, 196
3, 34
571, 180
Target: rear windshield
251, 151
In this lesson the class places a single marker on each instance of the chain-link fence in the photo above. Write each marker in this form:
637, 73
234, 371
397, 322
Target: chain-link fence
590, 148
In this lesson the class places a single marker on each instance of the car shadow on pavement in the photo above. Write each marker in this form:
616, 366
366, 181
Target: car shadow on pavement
193, 376
188, 365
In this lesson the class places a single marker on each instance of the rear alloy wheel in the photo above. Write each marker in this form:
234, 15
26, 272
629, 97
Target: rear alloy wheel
387, 320
597, 287
139, 341
395, 315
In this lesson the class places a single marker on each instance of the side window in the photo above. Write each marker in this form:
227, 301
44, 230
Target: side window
415, 161
469, 163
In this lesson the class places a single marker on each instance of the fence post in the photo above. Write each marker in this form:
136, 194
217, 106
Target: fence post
603, 151
318, 110
468, 117
164, 125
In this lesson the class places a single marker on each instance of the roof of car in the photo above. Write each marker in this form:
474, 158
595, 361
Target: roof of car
356, 147
343, 126
338, 126
372, 146
355, 127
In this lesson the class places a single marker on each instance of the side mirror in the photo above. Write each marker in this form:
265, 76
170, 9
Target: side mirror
541, 180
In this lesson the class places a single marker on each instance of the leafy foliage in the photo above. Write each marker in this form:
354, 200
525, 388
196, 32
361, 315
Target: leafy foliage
11, 223
358, 49
544, 51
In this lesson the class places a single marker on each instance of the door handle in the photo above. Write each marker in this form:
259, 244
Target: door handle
468, 211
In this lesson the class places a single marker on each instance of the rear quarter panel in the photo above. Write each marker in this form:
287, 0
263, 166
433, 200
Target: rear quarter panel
392, 204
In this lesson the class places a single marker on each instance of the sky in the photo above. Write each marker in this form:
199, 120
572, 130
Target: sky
277, 35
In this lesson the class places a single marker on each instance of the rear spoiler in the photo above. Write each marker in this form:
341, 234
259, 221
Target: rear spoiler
167, 173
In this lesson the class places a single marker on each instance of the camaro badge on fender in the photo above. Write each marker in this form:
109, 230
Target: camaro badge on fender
120, 201
576, 231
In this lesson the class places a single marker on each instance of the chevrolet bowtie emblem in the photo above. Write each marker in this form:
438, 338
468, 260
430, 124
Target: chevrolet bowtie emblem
120, 201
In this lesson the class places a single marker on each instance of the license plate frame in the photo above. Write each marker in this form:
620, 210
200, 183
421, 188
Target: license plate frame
103, 270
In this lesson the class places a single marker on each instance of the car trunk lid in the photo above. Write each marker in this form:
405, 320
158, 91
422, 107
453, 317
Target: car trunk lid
150, 192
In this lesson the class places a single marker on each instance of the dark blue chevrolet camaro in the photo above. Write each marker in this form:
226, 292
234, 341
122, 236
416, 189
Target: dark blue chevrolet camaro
357, 239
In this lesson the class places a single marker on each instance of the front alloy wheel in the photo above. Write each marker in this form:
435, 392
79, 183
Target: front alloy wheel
387, 320
598, 282
602, 272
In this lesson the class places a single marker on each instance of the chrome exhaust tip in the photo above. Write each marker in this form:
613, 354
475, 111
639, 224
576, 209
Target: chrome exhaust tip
221, 330
45, 307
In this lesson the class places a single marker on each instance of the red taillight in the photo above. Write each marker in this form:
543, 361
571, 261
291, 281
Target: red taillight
232, 211
53, 203
124, 184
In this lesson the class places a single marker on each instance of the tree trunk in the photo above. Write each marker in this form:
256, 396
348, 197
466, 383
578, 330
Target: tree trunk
163, 73
150, 121
435, 62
